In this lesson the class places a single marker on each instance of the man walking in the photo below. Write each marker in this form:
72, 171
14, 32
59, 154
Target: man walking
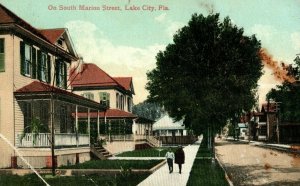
179, 157
170, 158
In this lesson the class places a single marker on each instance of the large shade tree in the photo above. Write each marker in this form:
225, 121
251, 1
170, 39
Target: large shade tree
287, 95
208, 75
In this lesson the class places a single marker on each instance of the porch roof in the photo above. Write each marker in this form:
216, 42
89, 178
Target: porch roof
39, 90
110, 113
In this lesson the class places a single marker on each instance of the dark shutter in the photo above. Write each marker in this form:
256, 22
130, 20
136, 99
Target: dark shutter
39, 63
22, 54
2, 55
57, 72
65, 75
48, 69
34, 61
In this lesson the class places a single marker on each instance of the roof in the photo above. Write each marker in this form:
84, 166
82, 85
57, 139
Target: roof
7, 17
124, 81
36, 89
110, 113
91, 74
167, 123
53, 34
45, 37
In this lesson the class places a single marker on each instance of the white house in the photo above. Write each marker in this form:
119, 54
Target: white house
166, 126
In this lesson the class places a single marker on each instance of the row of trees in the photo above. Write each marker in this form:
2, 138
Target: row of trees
208, 75
288, 94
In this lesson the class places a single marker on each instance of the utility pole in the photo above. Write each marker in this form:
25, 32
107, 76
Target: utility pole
278, 120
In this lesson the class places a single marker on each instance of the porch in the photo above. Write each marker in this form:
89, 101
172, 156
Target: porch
62, 140
45, 110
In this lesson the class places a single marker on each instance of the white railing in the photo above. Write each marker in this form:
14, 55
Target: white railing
139, 137
61, 140
154, 141
126, 137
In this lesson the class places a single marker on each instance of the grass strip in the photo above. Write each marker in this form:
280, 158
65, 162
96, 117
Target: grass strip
153, 152
204, 172
114, 164
116, 180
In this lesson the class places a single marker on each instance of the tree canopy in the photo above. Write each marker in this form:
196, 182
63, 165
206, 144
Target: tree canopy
288, 95
209, 74
148, 110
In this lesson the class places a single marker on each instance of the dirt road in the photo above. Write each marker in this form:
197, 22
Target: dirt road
250, 165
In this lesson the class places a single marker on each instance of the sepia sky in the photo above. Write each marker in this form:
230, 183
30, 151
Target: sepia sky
125, 43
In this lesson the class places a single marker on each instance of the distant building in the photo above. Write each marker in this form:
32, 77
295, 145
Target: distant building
165, 126
169, 131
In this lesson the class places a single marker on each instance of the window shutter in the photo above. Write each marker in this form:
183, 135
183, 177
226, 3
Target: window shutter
22, 55
2, 55
91, 96
34, 61
57, 64
39, 63
107, 99
101, 96
65, 75
48, 69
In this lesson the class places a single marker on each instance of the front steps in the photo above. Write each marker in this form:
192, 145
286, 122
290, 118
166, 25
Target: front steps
100, 152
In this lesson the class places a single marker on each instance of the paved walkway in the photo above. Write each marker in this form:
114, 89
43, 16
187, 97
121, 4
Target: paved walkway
162, 175
136, 158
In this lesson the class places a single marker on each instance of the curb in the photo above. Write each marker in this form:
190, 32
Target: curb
226, 175
71, 172
153, 169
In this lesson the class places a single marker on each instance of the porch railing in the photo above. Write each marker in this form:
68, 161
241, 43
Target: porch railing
61, 140
154, 141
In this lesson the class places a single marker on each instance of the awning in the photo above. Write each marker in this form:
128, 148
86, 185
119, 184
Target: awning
110, 114
42, 91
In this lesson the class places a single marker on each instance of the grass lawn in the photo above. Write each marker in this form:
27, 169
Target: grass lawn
204, 172
153, 152
125, 178
204, 152
33, 180
114, 164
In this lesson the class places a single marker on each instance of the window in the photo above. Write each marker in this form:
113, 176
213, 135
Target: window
129, 104
44, 67
28, 60
104, 98
122, 102
88, 95
117, 100
60, 42
61, 74
2, 56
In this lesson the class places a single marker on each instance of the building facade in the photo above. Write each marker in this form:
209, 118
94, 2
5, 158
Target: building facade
36, 107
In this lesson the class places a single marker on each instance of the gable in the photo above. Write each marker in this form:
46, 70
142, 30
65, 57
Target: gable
126, 82
59, 37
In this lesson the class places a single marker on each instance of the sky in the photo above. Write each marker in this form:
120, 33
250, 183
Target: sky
125, 42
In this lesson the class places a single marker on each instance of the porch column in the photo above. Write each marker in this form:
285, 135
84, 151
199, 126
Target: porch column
89, 126
76, 124
98, 125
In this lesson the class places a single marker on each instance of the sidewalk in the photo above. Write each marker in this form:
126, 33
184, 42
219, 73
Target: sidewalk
274, 146
164, 178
